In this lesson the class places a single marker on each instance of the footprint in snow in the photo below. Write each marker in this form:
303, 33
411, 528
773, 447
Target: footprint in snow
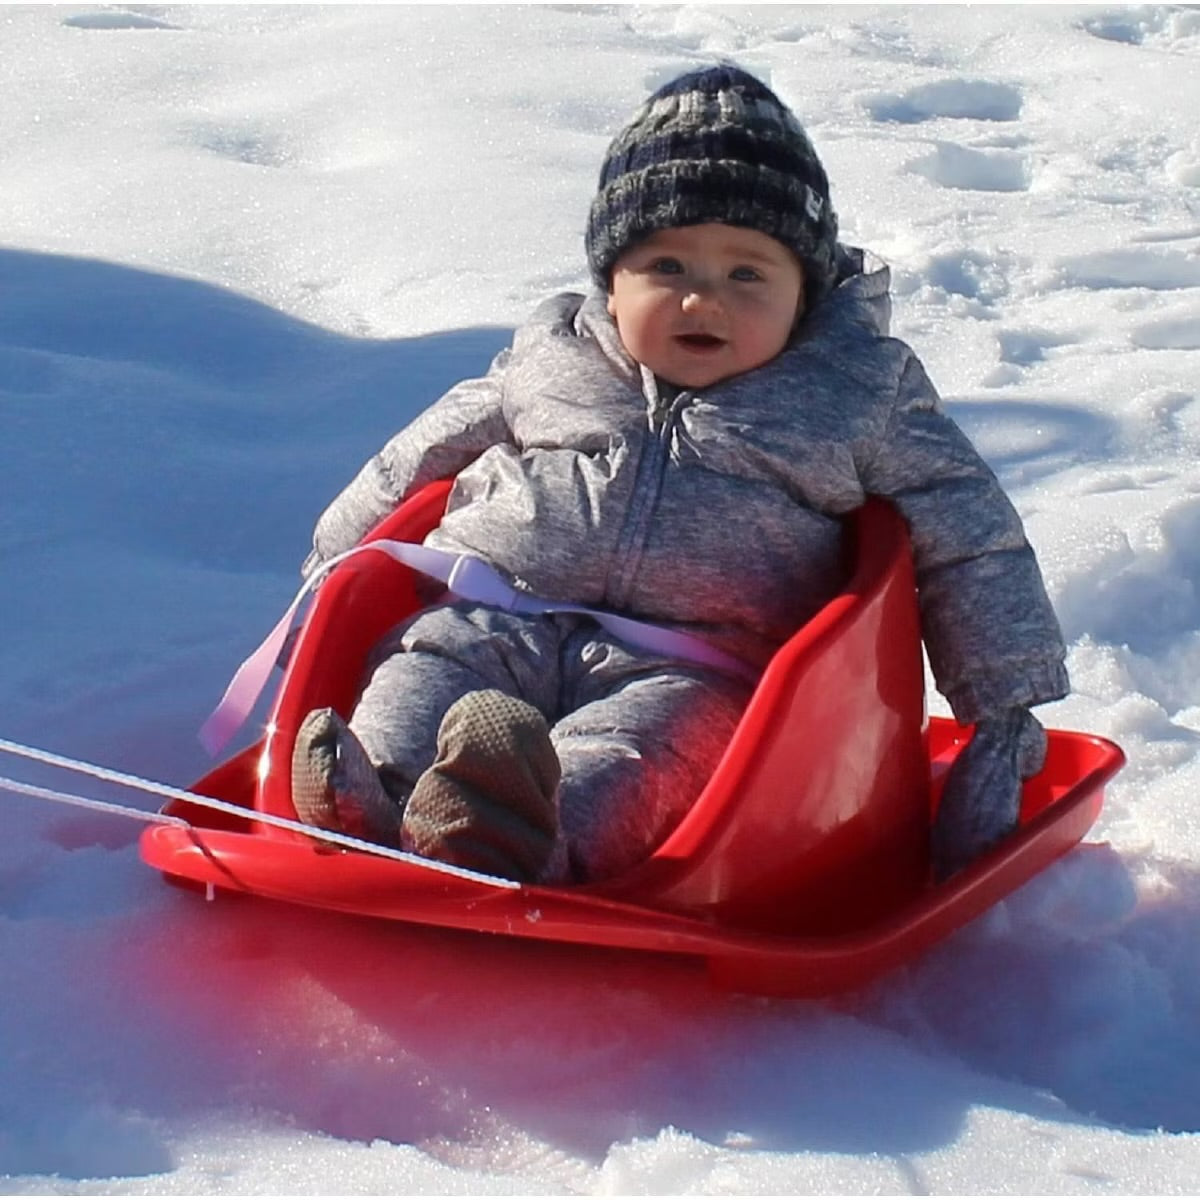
959, 99
1020, 350
1027, 347
1170, 27
972, 274
120, 18
998, 167
243, 144
963, 169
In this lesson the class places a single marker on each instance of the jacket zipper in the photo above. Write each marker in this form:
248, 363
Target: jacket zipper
662, 419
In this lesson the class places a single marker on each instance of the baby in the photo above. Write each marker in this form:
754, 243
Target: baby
676, 447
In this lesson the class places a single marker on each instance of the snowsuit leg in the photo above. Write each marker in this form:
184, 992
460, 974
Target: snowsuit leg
427, 663
637, 744
637, 735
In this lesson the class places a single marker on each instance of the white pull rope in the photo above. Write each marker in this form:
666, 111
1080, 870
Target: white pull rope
174, 793
105, 806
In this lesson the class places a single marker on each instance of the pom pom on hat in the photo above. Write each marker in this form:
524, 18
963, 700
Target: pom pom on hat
714, 145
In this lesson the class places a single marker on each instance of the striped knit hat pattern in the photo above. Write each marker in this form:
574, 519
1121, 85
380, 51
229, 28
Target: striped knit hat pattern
714, 145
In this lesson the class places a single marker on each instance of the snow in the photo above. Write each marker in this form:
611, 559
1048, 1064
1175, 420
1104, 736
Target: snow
242, 246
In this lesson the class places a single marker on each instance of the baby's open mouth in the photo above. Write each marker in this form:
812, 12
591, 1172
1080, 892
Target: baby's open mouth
700, 341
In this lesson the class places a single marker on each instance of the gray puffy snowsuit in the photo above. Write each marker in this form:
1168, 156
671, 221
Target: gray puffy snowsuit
715, 511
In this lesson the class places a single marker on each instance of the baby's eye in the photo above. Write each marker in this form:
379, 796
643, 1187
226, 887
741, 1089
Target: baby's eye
745, 274
666, 266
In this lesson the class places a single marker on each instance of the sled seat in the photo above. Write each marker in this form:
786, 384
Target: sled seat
817, 815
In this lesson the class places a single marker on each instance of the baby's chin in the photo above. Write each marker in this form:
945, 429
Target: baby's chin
698, 382
694, 376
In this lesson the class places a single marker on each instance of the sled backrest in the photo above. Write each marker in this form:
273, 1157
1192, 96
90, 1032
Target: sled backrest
816, 818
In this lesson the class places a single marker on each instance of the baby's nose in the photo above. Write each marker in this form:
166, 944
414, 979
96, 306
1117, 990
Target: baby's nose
699, 298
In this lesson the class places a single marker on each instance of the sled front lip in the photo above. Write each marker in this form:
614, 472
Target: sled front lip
217, 851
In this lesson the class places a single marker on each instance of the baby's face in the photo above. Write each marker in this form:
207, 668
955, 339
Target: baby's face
700, 303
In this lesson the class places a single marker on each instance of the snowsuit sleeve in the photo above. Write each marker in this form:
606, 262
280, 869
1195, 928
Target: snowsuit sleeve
447, 436
991, 634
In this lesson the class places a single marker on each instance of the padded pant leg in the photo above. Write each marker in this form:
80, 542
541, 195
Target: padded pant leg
637, 735
420, 669
637, 747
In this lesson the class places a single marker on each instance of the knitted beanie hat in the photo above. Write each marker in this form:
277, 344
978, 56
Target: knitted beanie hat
714, 145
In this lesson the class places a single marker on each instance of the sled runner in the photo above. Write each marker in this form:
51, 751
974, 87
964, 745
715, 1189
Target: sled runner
800, 870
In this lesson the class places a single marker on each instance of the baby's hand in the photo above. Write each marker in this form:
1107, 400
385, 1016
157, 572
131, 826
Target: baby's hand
981, 803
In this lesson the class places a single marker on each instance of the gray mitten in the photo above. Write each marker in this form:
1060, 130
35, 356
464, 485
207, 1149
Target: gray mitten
981, 803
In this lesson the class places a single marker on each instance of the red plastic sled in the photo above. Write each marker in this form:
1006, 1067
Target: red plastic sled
801, 869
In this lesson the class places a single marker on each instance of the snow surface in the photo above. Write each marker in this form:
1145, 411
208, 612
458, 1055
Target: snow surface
243, 245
